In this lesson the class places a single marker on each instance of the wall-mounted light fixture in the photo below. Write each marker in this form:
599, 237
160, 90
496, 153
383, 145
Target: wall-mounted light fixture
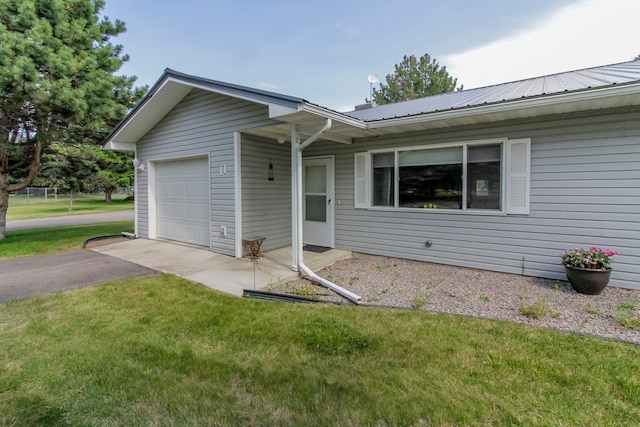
137, 164
281, 138
270, 170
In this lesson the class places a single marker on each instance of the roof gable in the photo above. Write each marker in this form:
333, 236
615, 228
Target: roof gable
171, 88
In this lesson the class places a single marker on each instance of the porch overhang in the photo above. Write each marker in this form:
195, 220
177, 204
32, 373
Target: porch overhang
307, 122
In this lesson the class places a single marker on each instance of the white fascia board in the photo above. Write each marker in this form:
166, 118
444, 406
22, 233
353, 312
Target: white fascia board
119, 146
276, 110
516, 105
334, 116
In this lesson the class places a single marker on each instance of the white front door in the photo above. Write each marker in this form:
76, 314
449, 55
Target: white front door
317, 202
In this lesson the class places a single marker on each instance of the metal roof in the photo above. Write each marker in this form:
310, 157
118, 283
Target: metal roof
238, 91
609, 86
572, 81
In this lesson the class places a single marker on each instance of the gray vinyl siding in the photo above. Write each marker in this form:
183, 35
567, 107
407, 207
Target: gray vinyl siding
203, 123
585, 190
266, 205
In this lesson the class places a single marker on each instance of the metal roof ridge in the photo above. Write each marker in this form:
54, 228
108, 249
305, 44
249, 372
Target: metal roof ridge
553, 97
503, 84
233, 86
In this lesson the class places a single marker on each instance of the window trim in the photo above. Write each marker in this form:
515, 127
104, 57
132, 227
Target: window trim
464, 210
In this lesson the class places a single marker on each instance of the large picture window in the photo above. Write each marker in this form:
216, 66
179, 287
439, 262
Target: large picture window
480, 176
430, 178
455, 177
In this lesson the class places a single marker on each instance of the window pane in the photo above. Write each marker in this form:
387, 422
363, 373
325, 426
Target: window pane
383, 160
383, 187
315, 208
434, 156
315, 179
431, 179
483, 177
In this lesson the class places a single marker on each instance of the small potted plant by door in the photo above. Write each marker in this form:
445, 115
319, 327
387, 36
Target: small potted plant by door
588, 271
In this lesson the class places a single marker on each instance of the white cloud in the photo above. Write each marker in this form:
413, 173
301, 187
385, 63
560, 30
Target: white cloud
585, 34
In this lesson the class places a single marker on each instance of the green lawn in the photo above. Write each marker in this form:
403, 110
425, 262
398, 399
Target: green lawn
56, 239
162, 351
20, 210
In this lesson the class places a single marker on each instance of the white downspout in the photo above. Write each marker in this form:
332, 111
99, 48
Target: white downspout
297, 195
135, 192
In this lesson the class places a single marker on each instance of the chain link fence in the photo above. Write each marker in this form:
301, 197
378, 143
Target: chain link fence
36, 195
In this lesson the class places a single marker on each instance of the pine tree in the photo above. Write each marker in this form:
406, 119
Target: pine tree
57, 83
415, 78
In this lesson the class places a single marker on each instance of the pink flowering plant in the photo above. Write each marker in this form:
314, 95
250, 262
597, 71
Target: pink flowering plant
595, 259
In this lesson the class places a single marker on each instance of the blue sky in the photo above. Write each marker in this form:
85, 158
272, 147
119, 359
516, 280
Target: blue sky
323, 51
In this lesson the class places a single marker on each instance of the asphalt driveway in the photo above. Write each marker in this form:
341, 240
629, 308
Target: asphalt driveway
55, 221
29, 276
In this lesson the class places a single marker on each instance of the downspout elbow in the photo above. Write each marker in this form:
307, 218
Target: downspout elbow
312, 138
328, 284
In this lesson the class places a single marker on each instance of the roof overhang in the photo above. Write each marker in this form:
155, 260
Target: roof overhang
173, 87
286, 111
562, 103
156, 104
308, 118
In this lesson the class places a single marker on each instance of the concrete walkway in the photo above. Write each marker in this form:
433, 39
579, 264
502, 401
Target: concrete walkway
81, 219
221, 272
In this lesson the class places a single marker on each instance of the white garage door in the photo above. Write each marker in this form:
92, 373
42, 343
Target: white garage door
182, 198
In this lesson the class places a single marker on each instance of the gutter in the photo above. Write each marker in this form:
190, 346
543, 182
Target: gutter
333, 115
297, 214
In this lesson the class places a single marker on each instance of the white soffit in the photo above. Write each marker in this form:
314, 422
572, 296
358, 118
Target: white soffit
148, 114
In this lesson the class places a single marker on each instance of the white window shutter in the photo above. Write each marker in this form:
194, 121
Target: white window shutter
360, 180
518, 175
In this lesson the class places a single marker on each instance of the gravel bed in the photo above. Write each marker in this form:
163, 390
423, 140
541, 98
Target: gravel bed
395, 282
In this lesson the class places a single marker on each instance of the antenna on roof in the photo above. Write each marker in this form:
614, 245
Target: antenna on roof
373, 78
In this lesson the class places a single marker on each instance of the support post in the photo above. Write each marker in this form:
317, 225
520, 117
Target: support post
294, 198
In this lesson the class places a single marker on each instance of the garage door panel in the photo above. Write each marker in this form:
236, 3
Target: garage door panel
177, 211
183, 203
193, 212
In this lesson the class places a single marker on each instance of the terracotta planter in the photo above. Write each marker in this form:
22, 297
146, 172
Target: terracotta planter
586, 280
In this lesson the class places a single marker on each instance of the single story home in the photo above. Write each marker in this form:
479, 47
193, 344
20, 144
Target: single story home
502, 178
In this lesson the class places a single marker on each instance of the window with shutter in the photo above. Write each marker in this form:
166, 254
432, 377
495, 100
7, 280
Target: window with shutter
518, 175
360, 184
473, 176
